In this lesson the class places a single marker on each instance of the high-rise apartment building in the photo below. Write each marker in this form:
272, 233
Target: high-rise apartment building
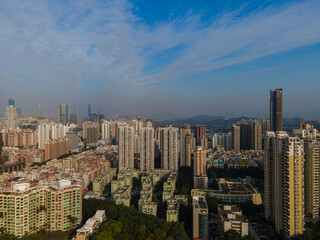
43, 134
29, 210
200, 179
58, 131
55, 148
113, 129
105, 130
223, 140
265, 125
19, 138
63, 114
169, 147
74, 140
284, 183
236, 137
200, 218
125, 147
311, 170
11, 117
147, 149
200, 161
311, 178
90, 132
199, 132
185, 145
276, 110
250, 135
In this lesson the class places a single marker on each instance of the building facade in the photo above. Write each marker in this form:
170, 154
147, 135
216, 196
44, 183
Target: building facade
125, 147
199, 132
284, 183
200, 218
185, 146
169, 148
29, 210
63, 116
146, 149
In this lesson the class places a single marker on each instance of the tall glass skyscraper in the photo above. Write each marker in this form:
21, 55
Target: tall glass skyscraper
11, 102
276, 110
63, 113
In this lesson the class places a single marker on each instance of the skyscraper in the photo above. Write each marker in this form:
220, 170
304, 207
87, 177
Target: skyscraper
39, 112
146, 148
11, 102
63, 114
89, 110
125, 147
199, 132
284, 183
169, 148
276, 110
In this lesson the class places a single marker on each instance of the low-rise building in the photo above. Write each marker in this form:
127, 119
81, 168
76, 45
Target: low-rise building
91, 224
173, 212
231, 191
231, 218
149, 208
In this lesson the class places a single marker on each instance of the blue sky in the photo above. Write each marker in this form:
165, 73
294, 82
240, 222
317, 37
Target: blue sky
161, 58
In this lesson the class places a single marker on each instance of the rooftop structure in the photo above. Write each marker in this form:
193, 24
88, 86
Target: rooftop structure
231, 191
231, 218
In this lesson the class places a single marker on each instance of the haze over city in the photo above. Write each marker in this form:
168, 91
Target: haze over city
167, 59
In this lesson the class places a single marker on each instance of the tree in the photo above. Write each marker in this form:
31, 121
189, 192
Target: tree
232, 235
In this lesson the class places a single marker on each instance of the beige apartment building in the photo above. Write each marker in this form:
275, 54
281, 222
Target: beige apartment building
28, 210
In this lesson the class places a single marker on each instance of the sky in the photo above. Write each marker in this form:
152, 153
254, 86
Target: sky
160, 59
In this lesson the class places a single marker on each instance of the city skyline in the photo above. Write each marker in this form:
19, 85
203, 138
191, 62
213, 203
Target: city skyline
185, 59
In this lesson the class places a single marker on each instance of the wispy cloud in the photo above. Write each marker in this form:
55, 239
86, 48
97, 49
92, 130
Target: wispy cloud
63, 44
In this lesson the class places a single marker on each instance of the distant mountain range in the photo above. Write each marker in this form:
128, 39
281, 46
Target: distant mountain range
223, 122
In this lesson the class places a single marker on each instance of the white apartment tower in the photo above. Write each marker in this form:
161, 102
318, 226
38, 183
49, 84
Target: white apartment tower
105, 130
11, 118
43, 135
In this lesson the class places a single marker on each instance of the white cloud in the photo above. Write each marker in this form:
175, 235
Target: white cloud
45, 43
